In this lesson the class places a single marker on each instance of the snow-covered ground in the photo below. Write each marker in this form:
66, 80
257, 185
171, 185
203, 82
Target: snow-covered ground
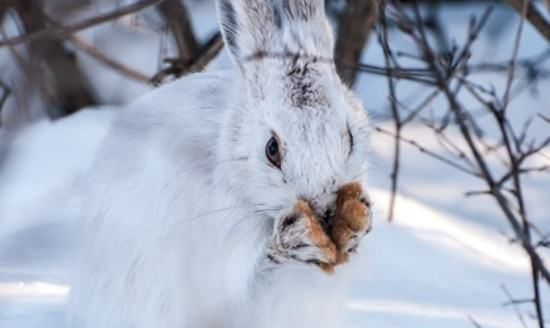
443, 262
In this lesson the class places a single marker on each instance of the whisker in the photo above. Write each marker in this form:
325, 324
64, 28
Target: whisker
213, 164
246, 218
211, 212
360, 174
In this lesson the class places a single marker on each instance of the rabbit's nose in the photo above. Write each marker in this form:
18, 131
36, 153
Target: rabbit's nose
323, 209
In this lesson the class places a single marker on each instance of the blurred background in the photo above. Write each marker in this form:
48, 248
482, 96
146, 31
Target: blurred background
457, 92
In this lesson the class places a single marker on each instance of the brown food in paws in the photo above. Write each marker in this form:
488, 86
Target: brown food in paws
351, 217
318, 236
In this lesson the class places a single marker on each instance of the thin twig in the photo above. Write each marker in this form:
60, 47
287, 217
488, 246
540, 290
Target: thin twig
201, 59
6, 91
511, 302
179, 23
62, 32
108, 61
383, 40
544, 118
533, 16
428, 152
511, 70
474, 322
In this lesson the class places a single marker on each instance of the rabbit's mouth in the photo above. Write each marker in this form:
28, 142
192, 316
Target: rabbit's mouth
323, 211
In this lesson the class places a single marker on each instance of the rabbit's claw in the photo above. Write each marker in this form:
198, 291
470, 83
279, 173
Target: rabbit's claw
300, 237
352, 220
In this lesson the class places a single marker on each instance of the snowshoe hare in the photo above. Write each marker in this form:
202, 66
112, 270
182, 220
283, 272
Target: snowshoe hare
228, 199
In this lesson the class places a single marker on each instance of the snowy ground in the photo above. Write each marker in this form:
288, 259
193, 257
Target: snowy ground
441, 264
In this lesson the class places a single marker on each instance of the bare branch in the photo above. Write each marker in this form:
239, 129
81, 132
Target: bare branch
428, 152
533, 16
108, 61
511, 70
201, 59
383, 40
513, 302
63, 84
207, 53
448, 74
464, 129
62, 32
474, 322
176, 16
544, 118
354, 27
6, 91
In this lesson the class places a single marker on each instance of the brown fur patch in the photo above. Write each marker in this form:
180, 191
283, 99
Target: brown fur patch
316, 232
318, 236
303, 87
351, 218
350, 222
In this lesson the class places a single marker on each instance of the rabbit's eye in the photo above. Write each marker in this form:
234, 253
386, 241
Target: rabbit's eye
351, 141
273, 152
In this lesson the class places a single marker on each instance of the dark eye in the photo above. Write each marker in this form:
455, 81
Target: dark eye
273, 152
350, 141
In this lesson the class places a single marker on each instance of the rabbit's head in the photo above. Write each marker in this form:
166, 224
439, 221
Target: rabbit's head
293, 130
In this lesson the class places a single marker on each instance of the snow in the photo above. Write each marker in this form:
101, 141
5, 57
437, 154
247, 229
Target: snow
428, 269
441, 263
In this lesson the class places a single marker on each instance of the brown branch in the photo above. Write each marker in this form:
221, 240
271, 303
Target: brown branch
106, 60
207, 53
178, 21
201, 59
22, 112
6, 91
95, 53
354, 27
61, 32
533, 16
55, 69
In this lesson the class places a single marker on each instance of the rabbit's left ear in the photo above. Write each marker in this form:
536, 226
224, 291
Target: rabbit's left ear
273, 27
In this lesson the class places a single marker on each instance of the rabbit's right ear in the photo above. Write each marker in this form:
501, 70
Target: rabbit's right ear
264, 27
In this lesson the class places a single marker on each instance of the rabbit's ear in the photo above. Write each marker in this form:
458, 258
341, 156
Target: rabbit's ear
258, 28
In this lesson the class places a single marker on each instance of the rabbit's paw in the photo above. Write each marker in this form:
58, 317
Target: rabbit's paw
299, 237
352, 220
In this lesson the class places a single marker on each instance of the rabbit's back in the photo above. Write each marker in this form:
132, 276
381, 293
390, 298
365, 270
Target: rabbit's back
182, 118
151, 172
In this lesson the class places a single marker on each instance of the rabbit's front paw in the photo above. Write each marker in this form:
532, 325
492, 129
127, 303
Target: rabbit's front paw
299, 237
352, 220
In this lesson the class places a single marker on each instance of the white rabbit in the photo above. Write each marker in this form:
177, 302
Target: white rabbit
202, 198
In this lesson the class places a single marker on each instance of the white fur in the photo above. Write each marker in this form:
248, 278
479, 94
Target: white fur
182, 200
